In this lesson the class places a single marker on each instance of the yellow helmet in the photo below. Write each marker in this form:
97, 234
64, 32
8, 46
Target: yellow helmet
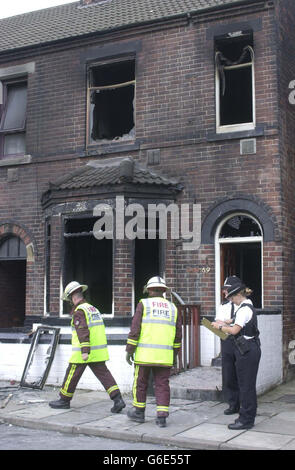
71, 288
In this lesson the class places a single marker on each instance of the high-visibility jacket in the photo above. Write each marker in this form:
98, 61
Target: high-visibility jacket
156, 340
97, 336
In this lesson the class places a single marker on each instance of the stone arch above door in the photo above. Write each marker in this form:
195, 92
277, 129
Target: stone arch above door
221, 210
8, 229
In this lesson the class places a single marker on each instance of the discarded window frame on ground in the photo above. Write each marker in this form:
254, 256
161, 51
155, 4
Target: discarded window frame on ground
38, 363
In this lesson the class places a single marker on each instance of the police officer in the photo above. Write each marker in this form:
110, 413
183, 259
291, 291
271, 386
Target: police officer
89, 348
153, 343
229, 376
246, 352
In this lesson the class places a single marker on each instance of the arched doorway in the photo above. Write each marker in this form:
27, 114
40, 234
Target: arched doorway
13, 256
238, 250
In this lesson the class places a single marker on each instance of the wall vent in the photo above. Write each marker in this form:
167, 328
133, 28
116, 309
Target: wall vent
247, 146
153, 157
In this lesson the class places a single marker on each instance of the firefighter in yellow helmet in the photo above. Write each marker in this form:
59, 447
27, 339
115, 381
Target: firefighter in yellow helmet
153, 343
89, 348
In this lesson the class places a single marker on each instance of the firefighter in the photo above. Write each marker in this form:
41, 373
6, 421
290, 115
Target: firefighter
153, 344
89, 348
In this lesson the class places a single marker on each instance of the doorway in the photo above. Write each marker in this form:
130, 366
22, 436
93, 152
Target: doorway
239, 252
13, 255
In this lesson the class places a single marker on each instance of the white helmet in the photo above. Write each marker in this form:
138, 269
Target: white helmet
156, 281
71, 288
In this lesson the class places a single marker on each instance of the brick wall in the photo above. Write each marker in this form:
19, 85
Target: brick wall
286, 41
175, 112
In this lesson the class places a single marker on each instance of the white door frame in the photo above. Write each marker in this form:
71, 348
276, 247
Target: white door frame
218, 241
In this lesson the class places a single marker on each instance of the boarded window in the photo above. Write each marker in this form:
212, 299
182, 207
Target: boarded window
235, 80
13, 118
13, 248
111, 102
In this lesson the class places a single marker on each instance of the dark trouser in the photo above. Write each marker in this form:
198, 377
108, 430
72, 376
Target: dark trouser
230, 384
74, 373
247, 368
162, 389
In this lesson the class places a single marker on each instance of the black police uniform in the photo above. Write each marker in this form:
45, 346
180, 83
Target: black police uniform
230, 384
246, 354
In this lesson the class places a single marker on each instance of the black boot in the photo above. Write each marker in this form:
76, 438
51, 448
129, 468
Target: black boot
136, 415
60, 404
119, 404
161, 421
231, 410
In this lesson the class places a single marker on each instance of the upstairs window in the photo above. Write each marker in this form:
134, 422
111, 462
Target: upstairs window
111, 93
13, 109
235, 88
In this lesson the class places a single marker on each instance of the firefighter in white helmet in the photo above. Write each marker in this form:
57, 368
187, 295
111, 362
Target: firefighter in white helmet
89, 348
153, 343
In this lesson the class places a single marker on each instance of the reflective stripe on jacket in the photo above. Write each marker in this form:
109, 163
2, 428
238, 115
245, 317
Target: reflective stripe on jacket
97, 337
158, 328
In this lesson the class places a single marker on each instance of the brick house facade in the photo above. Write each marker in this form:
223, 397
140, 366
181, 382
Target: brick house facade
185, 138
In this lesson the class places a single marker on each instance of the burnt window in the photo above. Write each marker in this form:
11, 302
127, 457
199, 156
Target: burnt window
13, 109
235, 105
47, 264
111, 95
149, 259
240, 226
88, 261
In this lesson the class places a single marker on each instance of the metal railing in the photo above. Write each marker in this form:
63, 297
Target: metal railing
189, 354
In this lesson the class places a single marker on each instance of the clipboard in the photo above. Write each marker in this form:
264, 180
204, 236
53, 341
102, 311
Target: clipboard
216, 331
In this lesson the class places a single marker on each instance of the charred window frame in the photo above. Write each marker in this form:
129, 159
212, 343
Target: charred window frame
111, 101
148, 258
88, 261
47, 264
13, 111
235, 82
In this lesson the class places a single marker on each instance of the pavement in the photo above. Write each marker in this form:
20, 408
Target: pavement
196, 418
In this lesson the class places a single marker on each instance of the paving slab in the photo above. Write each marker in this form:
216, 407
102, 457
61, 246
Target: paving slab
282, 423
228, 419
271, 409
77, 416
210, 433
252, 440
117, 421
37, 412
176, 423
289, 446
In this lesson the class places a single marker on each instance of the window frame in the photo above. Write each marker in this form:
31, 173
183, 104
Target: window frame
90, 143
220, 241
5, 84
222, 129
67, 235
